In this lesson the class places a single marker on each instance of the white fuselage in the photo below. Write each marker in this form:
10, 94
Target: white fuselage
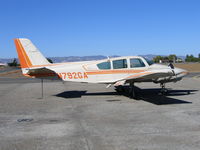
88, 71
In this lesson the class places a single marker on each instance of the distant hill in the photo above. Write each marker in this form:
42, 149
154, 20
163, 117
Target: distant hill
6, 60
82, 58
66, 59
79, 58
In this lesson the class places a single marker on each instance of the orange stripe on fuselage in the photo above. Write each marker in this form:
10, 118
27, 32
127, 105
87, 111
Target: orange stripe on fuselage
23, 58
137, 73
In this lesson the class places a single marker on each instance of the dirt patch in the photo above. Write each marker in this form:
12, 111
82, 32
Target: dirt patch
12, 74
191, 67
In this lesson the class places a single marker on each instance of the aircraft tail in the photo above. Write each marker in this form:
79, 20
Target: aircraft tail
29, 56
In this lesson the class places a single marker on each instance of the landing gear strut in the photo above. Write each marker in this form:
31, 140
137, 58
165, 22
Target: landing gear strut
132, 93
163, 90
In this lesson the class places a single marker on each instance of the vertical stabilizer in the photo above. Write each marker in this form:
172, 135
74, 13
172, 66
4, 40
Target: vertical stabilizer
29, 56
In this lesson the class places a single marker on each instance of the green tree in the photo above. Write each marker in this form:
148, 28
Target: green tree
172, 57
13, 63
191, 58
49, 60
157, 59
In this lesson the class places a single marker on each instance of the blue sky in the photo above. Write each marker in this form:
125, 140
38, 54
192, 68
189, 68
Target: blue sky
101, 27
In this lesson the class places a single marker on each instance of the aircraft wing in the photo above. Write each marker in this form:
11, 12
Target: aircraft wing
153, 75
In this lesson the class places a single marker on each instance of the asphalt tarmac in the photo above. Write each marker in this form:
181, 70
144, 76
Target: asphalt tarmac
75, 116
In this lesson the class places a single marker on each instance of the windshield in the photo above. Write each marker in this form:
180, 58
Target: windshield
136, 62
104, 65
150, 62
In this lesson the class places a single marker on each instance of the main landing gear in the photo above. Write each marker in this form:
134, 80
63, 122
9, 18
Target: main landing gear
130, 90
132, 93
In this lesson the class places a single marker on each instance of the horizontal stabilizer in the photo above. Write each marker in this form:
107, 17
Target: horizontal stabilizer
40, 72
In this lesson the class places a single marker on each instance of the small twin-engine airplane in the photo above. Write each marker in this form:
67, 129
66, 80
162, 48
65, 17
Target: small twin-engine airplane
112, 71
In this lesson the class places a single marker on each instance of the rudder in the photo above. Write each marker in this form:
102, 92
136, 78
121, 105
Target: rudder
29, 56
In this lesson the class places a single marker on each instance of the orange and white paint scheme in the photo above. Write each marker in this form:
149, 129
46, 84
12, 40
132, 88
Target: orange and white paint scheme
117, 71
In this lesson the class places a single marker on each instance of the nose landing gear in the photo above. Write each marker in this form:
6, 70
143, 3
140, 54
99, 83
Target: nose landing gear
163, 90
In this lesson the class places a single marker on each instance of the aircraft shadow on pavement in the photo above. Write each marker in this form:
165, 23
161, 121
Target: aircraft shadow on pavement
153, 96
78, 94
71, 94
148, 95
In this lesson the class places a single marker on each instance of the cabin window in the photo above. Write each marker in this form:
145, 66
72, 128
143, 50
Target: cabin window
104, 65
135, 62
118, 64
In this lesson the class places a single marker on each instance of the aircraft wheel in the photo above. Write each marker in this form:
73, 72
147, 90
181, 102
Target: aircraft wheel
132, 92
119, 89
163, 90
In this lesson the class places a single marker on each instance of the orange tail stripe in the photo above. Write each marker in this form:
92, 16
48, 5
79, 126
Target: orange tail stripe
23, 58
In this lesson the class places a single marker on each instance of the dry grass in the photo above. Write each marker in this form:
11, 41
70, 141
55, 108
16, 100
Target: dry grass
191, 67
12, 74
